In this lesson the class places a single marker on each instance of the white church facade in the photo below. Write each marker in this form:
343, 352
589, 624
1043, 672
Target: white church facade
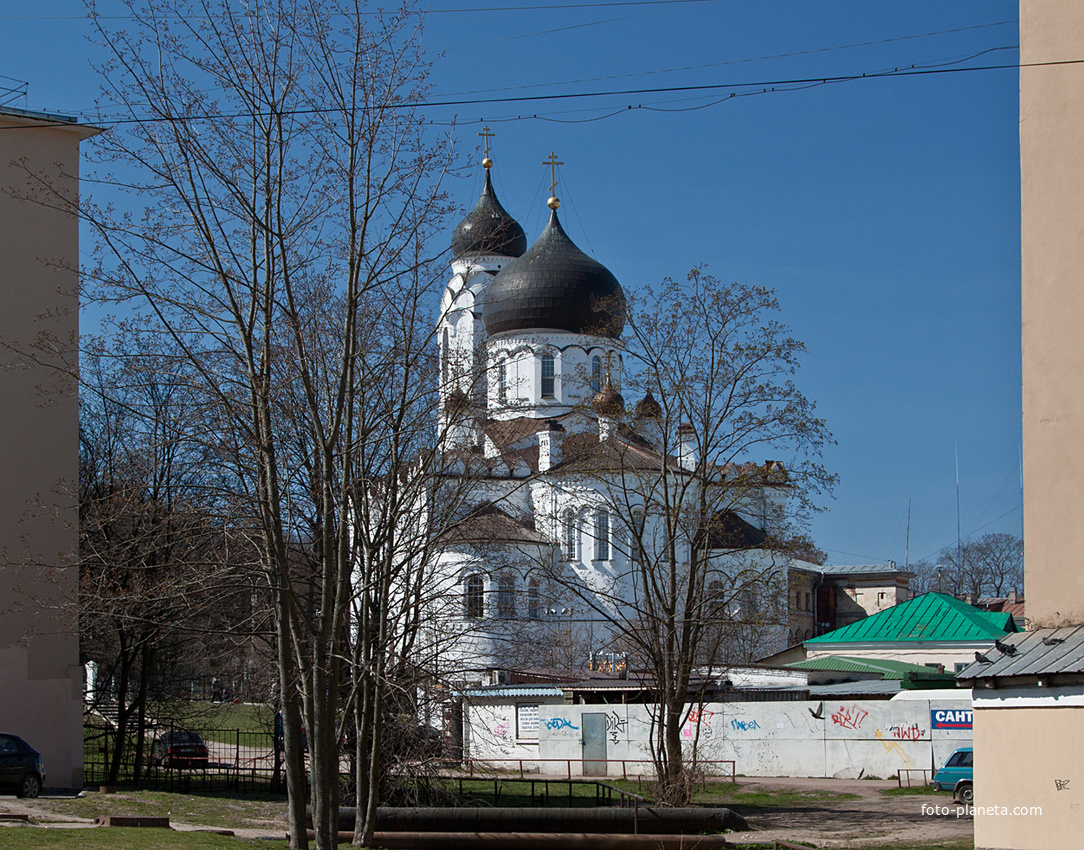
569, 492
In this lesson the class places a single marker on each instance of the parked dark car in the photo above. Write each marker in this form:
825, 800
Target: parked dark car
179, 748
21, 767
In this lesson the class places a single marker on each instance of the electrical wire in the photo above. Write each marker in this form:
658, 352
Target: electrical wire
765, 86
745, 61
568, 28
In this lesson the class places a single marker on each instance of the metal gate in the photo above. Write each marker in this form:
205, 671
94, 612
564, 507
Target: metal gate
594, 744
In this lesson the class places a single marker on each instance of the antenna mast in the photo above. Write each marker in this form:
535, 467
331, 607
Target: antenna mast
907, 539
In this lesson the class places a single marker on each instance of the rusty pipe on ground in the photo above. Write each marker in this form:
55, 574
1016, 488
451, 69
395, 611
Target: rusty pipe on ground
651, 820
537, 841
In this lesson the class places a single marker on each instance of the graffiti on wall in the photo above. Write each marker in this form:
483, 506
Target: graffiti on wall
615, 726
849, 717
894, 747
741, 725
501, 729
912, 732
1061, 784
698, 718
555, 723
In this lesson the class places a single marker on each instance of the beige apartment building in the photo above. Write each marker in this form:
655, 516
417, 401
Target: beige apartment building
41, 680
1029, 698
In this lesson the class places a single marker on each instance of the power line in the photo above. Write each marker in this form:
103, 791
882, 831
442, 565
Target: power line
767, 57
764, 86
584, 25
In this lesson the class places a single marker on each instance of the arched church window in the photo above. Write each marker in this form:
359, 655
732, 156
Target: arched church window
506, 596
596, 374
602, 536
715, 598
446, 355
502, 382
569, 536
637, 541
533, 599
474, 597
748, 604
548, 372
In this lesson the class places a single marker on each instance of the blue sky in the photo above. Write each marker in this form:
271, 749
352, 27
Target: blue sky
884, 211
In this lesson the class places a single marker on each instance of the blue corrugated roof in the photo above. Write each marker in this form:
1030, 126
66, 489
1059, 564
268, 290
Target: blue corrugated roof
513, 691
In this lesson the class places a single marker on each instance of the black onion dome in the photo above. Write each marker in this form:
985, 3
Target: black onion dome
489, 229
555, 286
648, 408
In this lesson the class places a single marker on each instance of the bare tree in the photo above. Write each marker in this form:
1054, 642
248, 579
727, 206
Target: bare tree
698, 531
987, 565
149, 546
1002, 558
289, 191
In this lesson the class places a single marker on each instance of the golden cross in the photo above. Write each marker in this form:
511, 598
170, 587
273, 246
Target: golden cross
552, 163
487, 136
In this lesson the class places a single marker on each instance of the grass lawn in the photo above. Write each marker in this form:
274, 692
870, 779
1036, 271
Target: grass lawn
914, 791
118, 838
25, 838
731, 794
206, 809
518, 793
216, 721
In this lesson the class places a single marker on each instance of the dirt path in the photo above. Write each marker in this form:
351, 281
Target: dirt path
872, 819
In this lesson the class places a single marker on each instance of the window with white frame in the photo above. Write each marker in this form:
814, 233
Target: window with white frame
502, 382
548, 379
474, 589
534, 599
596, 373
447, 352
569, 536
602, 536
506, 596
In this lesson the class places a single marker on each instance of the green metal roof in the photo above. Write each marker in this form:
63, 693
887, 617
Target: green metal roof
887, 668
930, 617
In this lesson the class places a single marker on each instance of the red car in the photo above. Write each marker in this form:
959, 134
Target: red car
179, 748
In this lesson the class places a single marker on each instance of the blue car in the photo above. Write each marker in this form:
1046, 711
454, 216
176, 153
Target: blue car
956, 776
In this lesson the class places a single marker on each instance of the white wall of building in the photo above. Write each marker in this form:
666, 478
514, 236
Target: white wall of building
839, 738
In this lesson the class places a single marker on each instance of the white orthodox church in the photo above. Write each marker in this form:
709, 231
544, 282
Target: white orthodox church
531, 365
